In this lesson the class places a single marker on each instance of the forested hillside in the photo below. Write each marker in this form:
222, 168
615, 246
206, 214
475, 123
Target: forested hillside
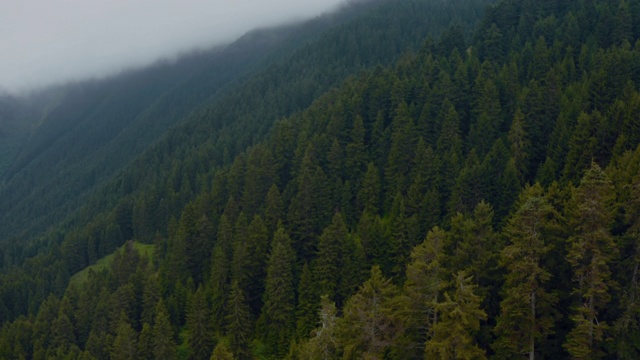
478, 197
84, 133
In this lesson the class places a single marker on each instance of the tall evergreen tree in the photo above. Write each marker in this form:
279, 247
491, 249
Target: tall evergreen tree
238, 321
370, 323
323, 345
329, 262
591, 249
526, 311
145, 343
125, 345
219, 285
200, 338
164, 346
279, 298
422, 289
453, 335
307, 309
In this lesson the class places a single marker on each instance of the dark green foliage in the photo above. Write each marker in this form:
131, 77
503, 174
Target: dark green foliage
238, 322
460, 319
125, 345
526, 311
219, 286
307, 309
279, 191
591, 250
369, 325
329, 260
200, 337
278, 312
164, 346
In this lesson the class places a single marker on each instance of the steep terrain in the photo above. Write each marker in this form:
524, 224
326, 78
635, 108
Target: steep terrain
476, 197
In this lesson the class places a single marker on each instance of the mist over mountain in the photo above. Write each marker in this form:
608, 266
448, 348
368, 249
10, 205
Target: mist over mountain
399, 179
47, 42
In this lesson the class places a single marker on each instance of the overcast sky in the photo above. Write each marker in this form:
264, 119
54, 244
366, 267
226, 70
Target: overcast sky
48, 41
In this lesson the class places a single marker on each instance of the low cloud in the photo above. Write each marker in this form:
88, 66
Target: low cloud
43, 42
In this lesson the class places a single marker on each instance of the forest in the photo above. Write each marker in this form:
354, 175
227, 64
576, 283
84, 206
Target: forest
427, 180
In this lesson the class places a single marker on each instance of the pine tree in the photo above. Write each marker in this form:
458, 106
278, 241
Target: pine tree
279, 298
477, 248
221, 352
323, 345
273, 208
307, 309
519, 145
526, 316
125, 345
150, 297
355, 160
627, 326
369, 194
401, 151
164, 347
590, 250
145, 343
200, 336
424, 282
354, 267
219, 287
453, 335
370, 323
238, 321
329, 258
258, 244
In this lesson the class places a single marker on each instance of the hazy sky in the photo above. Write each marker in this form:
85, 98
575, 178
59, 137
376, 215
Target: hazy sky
48, 41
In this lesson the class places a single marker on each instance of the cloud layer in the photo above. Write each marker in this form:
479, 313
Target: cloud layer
48, 41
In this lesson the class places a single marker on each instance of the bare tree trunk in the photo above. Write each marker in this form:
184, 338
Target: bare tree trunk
532, 344
591, 320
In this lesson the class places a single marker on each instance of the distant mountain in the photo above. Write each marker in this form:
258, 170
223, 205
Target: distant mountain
95, 128
63, 142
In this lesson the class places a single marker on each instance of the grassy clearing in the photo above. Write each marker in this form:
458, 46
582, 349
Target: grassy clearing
79, 278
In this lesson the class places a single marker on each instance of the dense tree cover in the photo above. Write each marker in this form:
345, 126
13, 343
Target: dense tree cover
476, 200
84, 133
141, 201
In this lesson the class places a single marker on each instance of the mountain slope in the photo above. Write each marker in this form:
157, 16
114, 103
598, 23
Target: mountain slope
93, 129
142, 199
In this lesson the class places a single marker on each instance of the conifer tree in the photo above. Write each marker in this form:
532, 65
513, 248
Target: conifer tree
453, 335
258, 244
354, 267
150, 297
355, 160
329, 259
526, 311
627, 327
219, 287
519, 145
225, 235
200, 337
145, 343
369, 194
125, 345
370, 323
279, 298
221, 352
238, 321
307, 309
591, 249
324, 342
274, 209
401, 150
424, 282
164, 347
